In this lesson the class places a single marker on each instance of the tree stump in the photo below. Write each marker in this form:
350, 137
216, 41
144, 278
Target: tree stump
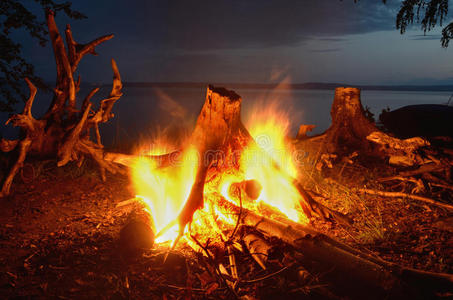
351, 131
349, 127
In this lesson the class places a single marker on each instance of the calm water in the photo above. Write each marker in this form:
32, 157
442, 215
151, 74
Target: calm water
142, 112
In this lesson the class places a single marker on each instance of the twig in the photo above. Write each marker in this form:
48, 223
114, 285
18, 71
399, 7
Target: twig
404, 195
449, 187
265, 277
425, 168
185, 288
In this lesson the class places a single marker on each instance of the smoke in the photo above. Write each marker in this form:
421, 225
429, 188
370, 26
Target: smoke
169, 105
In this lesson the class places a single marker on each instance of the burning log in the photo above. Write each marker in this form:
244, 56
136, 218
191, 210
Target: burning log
218, 127
64, 131
247, 189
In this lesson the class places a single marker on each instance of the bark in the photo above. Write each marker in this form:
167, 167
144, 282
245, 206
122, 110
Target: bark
258, 247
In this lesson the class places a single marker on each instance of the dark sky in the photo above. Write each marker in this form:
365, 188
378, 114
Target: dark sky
252, 41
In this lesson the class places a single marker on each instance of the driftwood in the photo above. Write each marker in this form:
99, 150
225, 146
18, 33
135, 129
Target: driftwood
303, 129
257, 246
64, 131
349, 270
352, 131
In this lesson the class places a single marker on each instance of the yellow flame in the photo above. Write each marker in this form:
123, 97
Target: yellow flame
270, 161
165, 190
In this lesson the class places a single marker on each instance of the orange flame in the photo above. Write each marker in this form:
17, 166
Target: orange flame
269, 161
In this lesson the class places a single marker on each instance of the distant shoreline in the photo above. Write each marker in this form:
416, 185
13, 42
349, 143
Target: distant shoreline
277, 86
294, 86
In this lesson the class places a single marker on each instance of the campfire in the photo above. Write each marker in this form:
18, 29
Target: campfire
230, 189
244, 170
233, 188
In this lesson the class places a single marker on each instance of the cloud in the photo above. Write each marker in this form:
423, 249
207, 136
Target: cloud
225, 24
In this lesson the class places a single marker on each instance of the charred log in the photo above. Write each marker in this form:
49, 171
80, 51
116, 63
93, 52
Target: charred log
247, 189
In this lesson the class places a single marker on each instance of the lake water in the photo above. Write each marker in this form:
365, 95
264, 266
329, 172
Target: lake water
144, 111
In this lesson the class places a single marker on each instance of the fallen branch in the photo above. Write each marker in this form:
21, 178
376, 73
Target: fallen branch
404, 195
432, 167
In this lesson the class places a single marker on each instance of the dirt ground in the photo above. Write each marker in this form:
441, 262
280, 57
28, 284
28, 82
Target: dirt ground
59, 238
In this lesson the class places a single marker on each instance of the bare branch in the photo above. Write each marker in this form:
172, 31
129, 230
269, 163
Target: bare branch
83, 49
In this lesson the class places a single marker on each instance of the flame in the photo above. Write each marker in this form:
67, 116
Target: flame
269, 161
164, 190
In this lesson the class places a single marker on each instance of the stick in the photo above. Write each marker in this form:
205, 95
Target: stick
404, 195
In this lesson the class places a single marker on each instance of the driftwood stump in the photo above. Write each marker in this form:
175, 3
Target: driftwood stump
349, 127
351, 131
64, 131
218, 132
